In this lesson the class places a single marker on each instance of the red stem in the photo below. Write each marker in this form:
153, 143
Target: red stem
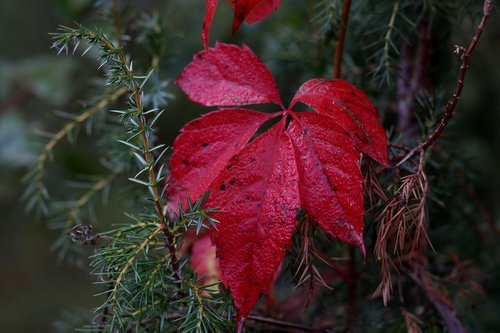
339, 48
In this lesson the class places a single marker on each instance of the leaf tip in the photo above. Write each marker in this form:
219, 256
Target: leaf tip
236, 24
358, 241
240, 324
362, 248
383, 159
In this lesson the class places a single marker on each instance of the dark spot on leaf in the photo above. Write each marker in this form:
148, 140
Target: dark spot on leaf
229, 166
186, 163
231, 182
223, 187
205, 145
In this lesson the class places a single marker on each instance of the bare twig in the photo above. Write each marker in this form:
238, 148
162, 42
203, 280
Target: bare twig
339, 47
287, 324
452, 103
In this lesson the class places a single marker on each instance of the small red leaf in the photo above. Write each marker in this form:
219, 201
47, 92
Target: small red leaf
252, 11
351, 109
258, 192
228, 75
204, 262
203, 149
207, 22
329, 176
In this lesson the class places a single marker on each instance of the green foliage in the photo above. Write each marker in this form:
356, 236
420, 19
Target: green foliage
135, 264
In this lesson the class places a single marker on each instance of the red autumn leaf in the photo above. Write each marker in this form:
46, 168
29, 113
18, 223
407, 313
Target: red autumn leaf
204, 262
306, 160
207, 21
330, 178
350, 108
228, 75
251, 11
203, 149
259, 192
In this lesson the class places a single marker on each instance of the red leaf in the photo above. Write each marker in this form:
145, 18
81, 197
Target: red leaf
228, 75
307, 160
258, 191
330, 179
203, 149
252, 11
351, 109
207, 22
204, 262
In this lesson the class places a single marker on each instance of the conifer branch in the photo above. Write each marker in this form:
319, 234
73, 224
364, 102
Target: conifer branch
40, 192
452, 103
121, 74
388, 35
87, 196
339, 47
137, 93
72, 212
326, 18
130, 262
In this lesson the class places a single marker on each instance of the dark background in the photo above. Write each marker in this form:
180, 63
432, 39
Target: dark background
35, 290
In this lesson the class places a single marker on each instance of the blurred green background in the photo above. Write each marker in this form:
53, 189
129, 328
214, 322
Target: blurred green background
36, 290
